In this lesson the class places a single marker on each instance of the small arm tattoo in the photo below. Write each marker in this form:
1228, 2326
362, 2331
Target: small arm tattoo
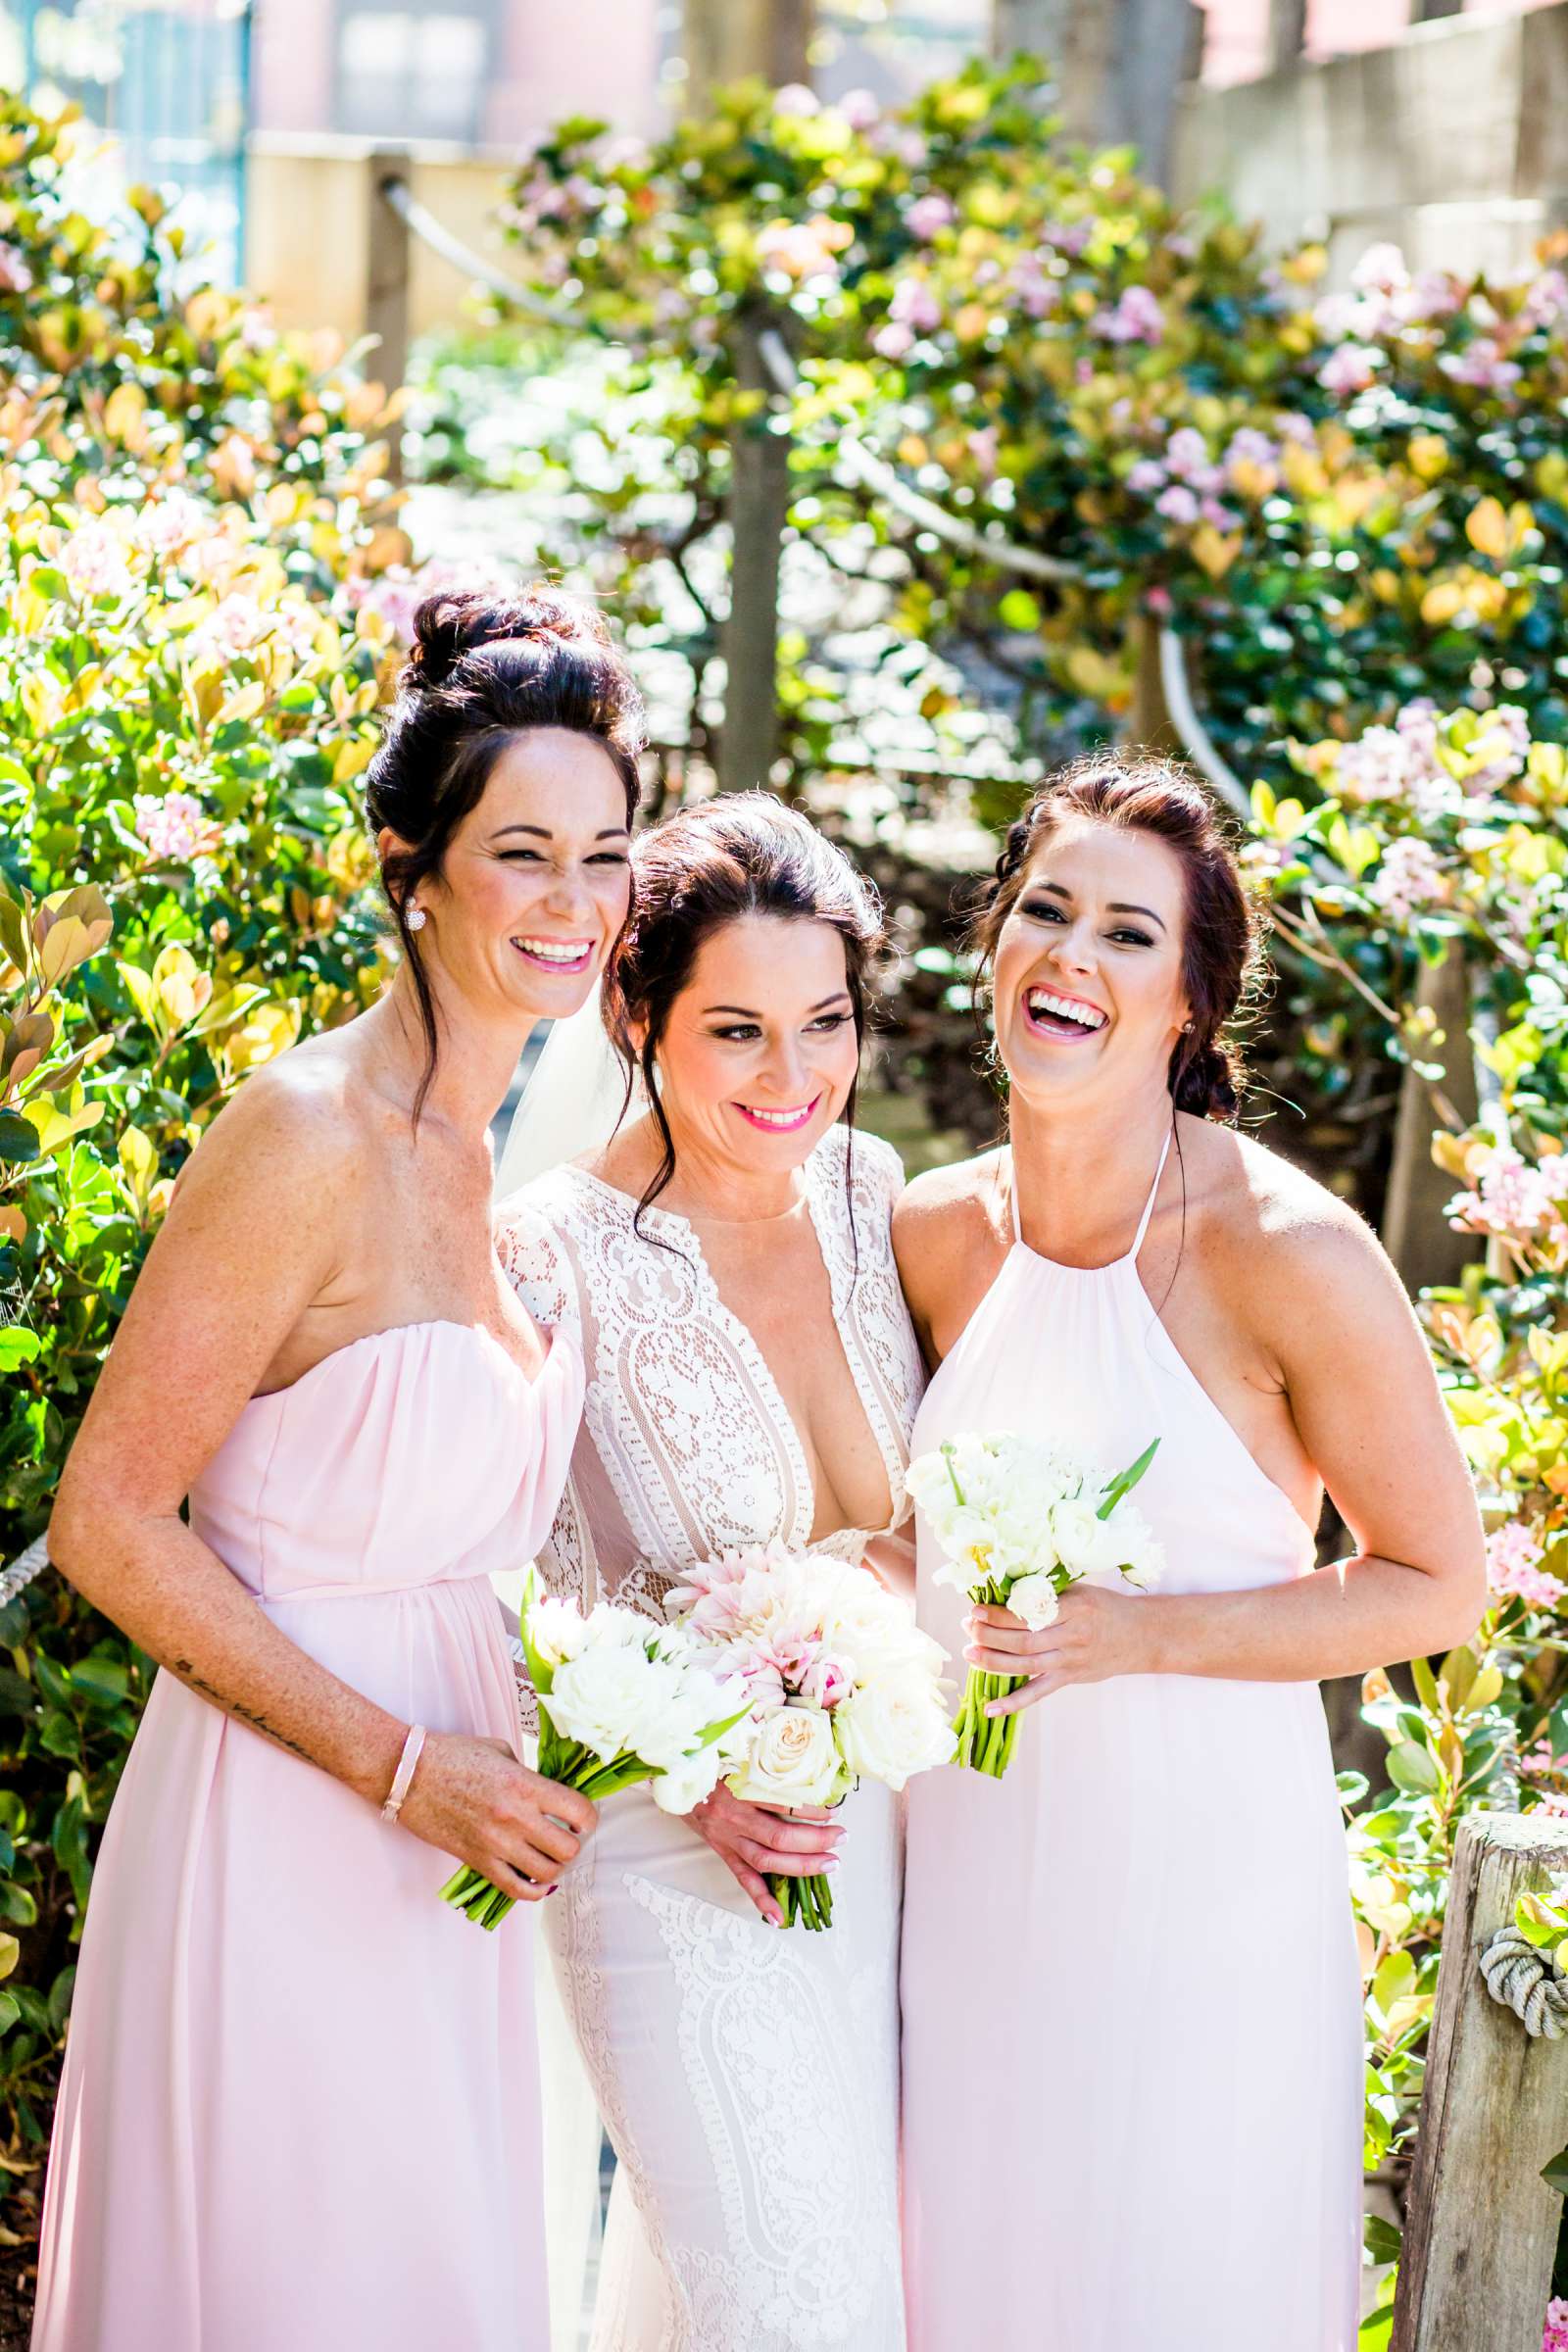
233, 1706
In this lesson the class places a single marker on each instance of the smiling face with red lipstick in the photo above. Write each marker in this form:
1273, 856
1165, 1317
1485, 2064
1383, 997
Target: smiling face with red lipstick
759, 1050
1089, 988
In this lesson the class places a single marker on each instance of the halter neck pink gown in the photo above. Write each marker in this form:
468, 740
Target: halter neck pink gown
1131, 2033
300, 2110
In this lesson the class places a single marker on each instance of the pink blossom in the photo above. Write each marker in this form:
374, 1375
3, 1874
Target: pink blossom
1555, 2338
1381, 268
914, 304
826, 1680
893, 340
15, 276
860, 108
1135, 318
1546, 298
799, 248
1187, 455
1373, 768
795, 100
1219, 516
237, 623
928, 216
1348, 370
1160, 603
175, 826
93, 560
1513, 1195
1409, 877
169, 523
1068, 236
1504, 734
1035, 290
1177, 504
1481, 366
1249, 448
398, 594
985, 447
1514, 1555
1146, 478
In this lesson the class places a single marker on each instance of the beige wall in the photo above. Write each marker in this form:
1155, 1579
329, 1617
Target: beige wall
1454, 144
308, 213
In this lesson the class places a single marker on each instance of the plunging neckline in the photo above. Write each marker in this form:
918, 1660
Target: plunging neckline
744, 1341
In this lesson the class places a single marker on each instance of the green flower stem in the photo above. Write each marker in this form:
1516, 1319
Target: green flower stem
808, 1900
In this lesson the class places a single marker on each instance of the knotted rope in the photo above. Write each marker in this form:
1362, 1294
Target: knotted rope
1527, 1982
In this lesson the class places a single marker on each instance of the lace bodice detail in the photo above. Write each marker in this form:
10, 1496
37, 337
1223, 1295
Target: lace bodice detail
686, 1446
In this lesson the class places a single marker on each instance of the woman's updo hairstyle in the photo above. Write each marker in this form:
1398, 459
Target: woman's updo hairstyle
744, 853
484, 668
1221, 941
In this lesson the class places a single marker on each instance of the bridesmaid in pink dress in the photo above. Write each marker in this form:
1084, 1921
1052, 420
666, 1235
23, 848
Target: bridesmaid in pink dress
1132, 2040
300, 2108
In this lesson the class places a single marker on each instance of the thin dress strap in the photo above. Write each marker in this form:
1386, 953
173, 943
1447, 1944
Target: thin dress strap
1154, 1194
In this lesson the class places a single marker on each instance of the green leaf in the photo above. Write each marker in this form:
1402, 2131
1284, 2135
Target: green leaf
1124, 1481
1019, 611
18, 1346
1555, 2173
19, 1137
1426, 1684
1411, 1769
1382, 2240
10, 2011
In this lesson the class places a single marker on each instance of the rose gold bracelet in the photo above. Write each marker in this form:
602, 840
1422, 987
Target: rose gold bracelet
412, 1747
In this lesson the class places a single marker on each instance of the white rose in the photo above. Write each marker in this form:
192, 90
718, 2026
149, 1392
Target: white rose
1034, 1602
607, 1699
793, 1759
893, 1729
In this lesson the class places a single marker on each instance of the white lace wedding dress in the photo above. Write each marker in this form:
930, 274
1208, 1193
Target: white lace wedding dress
748, 2077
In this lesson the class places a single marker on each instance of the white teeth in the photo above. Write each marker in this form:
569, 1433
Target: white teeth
556, 951
1068, 1009
778, 1118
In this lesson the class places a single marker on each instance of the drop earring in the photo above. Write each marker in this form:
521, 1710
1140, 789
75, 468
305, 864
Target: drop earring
413, 916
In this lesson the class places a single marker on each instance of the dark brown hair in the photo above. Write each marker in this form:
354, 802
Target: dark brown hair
484, 668
1221, 950
745, 854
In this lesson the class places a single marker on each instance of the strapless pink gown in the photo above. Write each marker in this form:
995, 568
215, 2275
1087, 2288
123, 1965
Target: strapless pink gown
299, 2109
1132, 2017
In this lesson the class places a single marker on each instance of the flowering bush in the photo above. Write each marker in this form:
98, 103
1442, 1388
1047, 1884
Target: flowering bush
1342, 498
193, 556
1450, 833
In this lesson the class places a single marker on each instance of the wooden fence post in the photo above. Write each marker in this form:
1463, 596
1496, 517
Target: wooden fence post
386, 286
1481, 2224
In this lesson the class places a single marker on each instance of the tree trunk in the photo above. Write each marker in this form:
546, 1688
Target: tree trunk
1415, 1234
759, 503
1119, 66
1287, 35
727, 40
1481, 2224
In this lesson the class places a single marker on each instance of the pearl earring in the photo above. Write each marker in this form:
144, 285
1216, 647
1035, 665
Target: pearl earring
414, 917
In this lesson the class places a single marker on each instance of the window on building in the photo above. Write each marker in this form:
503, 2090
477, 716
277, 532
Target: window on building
402, 75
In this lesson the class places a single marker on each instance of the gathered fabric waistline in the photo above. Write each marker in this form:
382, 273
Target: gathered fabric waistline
374, 1589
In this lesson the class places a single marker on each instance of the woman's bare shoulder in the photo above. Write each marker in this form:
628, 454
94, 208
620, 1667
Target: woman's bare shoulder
1273, 1233
301, 1127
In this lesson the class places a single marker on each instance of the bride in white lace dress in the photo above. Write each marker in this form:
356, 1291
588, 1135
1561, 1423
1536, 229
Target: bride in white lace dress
752, 1377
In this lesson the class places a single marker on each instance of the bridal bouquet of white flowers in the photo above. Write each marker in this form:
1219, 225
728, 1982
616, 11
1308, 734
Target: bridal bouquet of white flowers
621, 1699
842, 1686
1018, 1521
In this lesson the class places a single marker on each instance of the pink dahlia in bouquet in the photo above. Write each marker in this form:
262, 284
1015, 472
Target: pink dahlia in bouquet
842, 1686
